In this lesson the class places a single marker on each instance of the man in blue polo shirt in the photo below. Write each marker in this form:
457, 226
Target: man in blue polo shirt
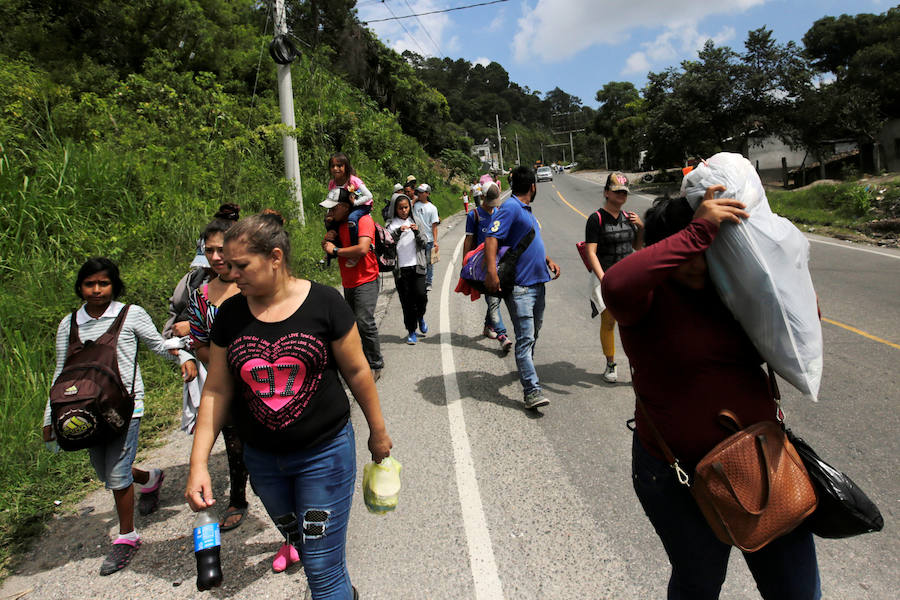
525, 301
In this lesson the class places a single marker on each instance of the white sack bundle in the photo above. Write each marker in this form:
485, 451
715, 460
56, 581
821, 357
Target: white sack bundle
760, 269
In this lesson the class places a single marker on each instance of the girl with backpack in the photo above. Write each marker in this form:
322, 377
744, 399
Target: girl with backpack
410, 268
99, 285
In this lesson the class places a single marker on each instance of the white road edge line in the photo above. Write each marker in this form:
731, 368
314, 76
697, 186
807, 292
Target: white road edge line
481, 553
847, 247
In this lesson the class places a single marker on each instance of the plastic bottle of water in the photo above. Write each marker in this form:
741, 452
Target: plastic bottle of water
207, 544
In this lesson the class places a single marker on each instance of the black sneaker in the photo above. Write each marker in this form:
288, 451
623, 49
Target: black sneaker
118, 558
535, 399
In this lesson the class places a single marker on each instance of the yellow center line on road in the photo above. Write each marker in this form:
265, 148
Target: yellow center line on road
862, 333
829, 321
569, 205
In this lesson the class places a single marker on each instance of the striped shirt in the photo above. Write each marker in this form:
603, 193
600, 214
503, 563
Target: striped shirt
137, 326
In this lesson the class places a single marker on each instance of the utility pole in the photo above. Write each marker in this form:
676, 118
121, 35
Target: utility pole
286, 104
605, 160
499, 147
568, 124
542, 152
517, 150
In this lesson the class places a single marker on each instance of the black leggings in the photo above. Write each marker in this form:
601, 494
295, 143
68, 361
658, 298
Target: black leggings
237, 471
413, 298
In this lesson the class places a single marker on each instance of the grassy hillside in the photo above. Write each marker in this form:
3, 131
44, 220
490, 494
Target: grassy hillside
133, 171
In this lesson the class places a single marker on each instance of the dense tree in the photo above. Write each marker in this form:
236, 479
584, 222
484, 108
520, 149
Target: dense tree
615, 121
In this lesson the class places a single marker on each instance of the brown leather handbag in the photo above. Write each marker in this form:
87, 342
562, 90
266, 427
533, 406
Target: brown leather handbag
751, 487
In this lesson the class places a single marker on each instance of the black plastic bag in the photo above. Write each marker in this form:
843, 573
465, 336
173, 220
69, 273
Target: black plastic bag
844, 510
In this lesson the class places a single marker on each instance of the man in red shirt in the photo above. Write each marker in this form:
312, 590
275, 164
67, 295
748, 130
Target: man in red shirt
359, 270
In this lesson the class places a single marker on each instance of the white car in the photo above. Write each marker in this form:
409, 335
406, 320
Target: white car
544, 174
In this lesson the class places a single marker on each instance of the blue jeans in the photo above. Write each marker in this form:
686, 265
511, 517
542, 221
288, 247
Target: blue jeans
784, 569
308, 493
526, 309
113, 461
493, 318
429, 269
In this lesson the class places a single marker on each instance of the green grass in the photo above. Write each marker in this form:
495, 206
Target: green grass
842, 205
73, 186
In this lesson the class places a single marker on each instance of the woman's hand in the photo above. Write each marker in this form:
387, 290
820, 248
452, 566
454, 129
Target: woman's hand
189, 370
720, 210
380, 445
634, 219
181, 328
198, 492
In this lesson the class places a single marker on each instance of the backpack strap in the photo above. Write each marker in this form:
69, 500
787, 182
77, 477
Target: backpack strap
111, 337
74, 341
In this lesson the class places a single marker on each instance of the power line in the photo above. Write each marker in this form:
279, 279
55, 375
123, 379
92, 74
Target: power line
422, 25
387, 6
432, 12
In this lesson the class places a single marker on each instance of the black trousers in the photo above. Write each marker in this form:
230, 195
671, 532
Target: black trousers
413, 298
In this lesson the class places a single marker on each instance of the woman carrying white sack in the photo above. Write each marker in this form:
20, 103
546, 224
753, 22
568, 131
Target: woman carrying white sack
760, 270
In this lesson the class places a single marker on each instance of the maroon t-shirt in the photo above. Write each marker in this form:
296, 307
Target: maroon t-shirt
287, 392
691, 358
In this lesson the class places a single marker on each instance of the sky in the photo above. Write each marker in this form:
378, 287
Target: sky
579, 45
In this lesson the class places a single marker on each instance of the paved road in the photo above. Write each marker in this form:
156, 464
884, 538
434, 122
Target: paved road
500, 502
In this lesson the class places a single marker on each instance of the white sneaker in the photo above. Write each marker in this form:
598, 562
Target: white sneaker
489, 332
610, 375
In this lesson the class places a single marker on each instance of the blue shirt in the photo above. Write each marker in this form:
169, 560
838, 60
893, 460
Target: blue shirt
509, 224
478, 228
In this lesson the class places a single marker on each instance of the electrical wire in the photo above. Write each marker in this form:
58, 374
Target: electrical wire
387, 6
433, 12
425, 29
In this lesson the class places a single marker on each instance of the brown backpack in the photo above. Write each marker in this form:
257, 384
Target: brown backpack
89, 404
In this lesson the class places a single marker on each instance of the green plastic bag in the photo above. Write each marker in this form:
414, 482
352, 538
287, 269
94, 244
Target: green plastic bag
381, 485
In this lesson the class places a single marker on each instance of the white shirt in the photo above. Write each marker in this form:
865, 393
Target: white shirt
406, 244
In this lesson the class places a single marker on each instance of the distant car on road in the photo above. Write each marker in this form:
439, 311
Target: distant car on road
544, 174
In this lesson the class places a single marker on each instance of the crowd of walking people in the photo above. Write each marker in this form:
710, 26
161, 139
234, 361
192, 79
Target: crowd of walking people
263, 354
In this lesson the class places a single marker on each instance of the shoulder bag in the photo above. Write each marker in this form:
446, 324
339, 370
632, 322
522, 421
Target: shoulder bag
751, 487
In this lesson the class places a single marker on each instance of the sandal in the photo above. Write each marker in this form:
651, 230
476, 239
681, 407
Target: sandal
232, 512
118, 558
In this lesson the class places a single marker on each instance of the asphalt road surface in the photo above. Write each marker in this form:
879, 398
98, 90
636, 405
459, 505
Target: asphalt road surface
500, 502
503, 503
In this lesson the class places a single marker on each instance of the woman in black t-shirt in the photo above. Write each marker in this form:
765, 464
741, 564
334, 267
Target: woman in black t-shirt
274, 357
610, 235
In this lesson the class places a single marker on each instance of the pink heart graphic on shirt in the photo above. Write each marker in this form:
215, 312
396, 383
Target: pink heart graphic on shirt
275, 383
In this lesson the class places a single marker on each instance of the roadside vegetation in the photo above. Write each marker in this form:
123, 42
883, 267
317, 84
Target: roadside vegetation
870, 209
133, 168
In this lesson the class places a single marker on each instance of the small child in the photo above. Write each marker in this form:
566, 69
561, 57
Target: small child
343, 176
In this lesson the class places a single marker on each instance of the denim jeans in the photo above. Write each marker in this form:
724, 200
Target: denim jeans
113, 461
526, 309
784, 569
429, 268
493, 318
308, 494
362, 300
